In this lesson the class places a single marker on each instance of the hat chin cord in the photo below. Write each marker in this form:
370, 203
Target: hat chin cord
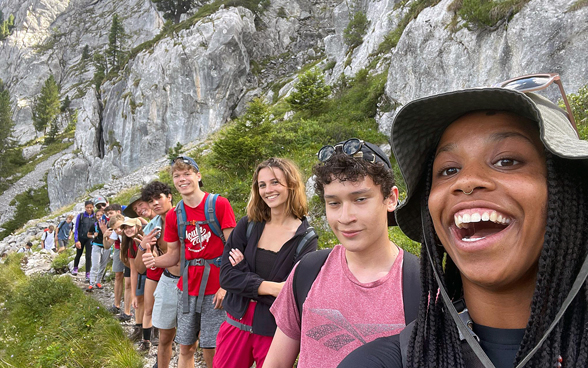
468, 334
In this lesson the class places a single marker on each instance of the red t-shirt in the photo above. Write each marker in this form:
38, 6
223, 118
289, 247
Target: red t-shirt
155, 273
204, 245
132, 252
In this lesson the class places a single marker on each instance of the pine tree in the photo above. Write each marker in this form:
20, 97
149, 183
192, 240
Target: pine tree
310, 92
6, 122
115, 41
47, 105
173, 9
86, 52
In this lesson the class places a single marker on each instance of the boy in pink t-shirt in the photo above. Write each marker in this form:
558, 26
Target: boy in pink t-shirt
357, 295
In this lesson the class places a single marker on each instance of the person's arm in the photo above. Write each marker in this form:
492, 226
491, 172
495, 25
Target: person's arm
76, 228
107, 239
380, 353
283, 351
169, 259
134, 281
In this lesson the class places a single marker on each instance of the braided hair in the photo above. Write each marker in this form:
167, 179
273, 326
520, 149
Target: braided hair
435, 339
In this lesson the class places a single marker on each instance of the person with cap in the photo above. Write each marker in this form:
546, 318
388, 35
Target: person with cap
113, 240
83, 235
199, 249
496, 181
132, 229
138, 209
357, 294
257, 259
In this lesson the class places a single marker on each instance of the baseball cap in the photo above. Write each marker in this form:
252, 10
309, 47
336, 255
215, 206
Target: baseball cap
189, 161
131, 222
99, 199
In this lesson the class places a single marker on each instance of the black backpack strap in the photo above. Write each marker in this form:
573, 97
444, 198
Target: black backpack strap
411, 286
250, 225
305, 274
404, 338
309, 235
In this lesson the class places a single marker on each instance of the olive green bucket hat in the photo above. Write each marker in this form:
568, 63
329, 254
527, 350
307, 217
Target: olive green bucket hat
418, 126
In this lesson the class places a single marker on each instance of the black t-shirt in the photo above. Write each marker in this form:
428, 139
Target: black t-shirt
500, 345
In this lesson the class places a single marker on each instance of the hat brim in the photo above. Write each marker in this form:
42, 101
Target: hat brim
418, 126
129, 211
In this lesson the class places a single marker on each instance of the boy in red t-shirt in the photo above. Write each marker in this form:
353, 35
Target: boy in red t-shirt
201, 244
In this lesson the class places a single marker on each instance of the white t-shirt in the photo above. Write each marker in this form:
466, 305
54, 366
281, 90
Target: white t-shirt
49, 239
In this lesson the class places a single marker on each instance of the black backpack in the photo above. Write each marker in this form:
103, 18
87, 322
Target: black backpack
311, 264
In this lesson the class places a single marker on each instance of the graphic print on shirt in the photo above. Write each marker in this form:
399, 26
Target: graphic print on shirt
345, 331
199, 240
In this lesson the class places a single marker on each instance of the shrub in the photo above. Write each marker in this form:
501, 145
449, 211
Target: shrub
33, 203
579, 105
60, 262
355, 30
487, 14
310, 92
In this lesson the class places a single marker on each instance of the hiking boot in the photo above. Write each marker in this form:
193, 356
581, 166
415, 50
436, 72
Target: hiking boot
124, 317
144, 345
90, 288
137, 334
75, 271
99, 286
114, 309
88, 277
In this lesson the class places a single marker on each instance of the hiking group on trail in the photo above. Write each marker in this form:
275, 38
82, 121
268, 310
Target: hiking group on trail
496, 194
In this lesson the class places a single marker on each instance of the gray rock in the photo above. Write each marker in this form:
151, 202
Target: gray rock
31, 151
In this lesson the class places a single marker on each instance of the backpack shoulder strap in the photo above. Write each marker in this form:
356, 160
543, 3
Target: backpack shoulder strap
250, 225
309, 235
211, 219
305, 274
411, 286
404, 338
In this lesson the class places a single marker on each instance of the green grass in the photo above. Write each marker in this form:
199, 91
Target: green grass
485, 14
577, 5
47, 321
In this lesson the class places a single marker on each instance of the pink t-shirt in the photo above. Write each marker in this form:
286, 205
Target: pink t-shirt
204, 245
340, 313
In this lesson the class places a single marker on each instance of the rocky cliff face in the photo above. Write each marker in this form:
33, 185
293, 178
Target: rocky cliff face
188, 84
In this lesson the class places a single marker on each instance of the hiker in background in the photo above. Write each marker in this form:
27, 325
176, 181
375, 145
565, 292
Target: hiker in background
26, 248
358, 291
48, 239
257, 260
199, 242
83, 233
496, 192
63, 233
131, 227
100, 255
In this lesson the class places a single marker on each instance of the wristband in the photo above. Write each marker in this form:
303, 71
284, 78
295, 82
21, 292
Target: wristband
140, 247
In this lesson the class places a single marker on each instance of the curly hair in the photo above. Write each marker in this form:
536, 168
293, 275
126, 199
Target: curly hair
435, 337
259, 211
343, 167
154, 190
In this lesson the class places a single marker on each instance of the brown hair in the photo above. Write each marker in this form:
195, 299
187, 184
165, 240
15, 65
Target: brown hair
114, 219
126, 246
69, 217
258, 210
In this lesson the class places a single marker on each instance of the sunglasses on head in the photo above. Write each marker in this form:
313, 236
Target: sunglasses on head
537, 82
351, 147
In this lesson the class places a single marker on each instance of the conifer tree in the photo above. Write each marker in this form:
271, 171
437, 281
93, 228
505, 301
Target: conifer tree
47, 105
6, 122
173, 9
310, 92
115, 41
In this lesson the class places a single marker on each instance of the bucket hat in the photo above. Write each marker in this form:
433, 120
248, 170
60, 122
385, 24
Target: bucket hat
418, 126
129, 211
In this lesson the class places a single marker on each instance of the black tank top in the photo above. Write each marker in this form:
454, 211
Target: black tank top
264, 262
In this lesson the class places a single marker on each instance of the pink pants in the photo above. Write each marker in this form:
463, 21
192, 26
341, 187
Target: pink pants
239, 349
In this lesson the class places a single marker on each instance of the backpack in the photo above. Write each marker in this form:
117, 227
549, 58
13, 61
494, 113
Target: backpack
309, 234
310, 265
209, 213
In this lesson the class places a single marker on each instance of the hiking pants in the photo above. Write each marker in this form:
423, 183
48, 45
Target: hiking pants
100, 257
87, 245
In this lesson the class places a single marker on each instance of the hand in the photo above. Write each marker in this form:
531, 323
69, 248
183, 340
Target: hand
218, 298
102, 225
107, 233
235, 256
78, 245
135, 303
147, 257
149, 239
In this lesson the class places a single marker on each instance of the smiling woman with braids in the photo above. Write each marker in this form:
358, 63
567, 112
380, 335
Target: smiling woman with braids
497, 196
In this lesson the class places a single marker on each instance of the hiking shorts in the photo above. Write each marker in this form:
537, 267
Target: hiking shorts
140, 284
117, 265
165, 306
191, 323
62, 243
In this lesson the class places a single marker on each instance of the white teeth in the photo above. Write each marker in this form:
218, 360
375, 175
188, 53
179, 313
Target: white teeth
471, 239
461, 221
